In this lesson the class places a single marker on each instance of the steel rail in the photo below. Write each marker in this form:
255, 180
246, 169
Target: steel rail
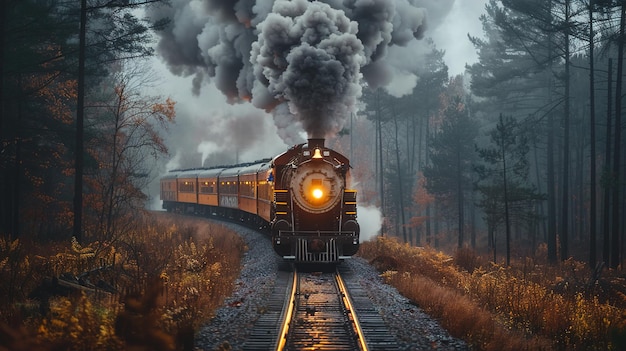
344, 303
288, 313
354, 318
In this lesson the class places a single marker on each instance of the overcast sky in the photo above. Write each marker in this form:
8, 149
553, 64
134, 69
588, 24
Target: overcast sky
451, 34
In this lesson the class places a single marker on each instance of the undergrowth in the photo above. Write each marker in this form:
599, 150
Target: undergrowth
527, 306
149, 289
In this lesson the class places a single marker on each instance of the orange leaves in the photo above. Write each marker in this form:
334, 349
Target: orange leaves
58, 95
421, 196
166, 109
507, 306
421, 199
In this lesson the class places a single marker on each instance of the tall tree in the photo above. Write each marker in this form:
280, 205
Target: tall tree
503, 179
514, 75
127, 139
422, 105
378, 109
615, 248
39, 56
565, 197
448, 176
535, 37
120, 35
606, 173
35, 35
80, 121
592, 131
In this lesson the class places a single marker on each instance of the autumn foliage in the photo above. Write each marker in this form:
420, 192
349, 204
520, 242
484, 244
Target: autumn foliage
527, 306
149, 290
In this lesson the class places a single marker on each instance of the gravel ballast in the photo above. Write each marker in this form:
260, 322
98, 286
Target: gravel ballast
233, 321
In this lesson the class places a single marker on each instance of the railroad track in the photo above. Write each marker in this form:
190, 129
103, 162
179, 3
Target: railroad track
314, 311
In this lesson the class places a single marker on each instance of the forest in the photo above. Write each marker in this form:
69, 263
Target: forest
518, 160
521, 154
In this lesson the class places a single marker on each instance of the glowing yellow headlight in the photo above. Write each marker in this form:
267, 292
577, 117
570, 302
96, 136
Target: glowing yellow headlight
318, 193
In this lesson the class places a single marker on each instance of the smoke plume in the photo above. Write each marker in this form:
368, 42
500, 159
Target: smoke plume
304, 58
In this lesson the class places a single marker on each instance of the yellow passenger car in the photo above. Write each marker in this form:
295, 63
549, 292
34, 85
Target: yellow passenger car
207, 186
187, 182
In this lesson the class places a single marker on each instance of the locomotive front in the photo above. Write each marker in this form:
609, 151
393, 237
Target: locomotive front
314, 214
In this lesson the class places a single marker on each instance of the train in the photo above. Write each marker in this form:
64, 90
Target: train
302, 197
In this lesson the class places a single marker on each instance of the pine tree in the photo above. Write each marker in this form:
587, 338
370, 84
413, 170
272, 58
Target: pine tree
448, 175
506, 195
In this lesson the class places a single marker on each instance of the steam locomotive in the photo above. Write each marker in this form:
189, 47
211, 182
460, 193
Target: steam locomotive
302, 196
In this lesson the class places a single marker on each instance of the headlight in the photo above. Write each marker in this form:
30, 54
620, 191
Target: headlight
316, 186
318, 193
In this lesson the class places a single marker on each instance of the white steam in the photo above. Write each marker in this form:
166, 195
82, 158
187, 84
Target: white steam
370, 219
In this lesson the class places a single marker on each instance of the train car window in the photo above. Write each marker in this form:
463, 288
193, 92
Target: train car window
264, 190
228, 187
207, 188
186, 187
247, 188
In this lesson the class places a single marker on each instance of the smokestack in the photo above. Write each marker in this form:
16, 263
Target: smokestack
316, 143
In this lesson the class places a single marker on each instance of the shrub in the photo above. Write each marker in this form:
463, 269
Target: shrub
494, 307
153, 285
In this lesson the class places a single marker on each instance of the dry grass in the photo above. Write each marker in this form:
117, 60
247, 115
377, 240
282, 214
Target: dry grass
524, 307
169, 277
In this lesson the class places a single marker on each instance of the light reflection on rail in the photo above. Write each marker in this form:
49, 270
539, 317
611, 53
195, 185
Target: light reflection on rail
349, 313
288, 313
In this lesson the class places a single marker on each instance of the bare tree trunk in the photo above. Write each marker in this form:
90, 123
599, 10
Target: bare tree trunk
615, 249
351, 136
3, 10
418, 167
566, 153
110, 196
542, 227
379, 163
381, 173
426, 135
410, 157
507, 221
400, 185
592, 131
9, 136
606, 216
552, 231
460, 199
80, 110
473, 220
436, 225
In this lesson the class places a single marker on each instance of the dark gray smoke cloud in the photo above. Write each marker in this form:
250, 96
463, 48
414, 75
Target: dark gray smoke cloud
309, 57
